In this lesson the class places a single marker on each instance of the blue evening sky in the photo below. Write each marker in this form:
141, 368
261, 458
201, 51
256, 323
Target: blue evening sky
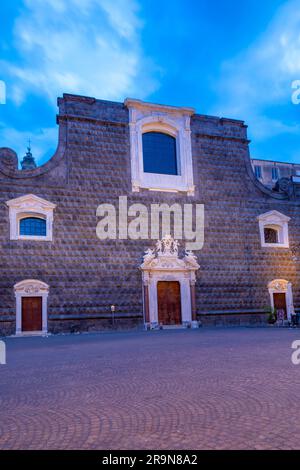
233, 59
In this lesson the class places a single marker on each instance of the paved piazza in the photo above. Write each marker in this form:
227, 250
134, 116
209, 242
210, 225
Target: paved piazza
184, 389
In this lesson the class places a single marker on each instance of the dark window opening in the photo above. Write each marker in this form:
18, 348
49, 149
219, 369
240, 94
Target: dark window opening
257, 171
271, 235
33, 226
159, 153
275, 173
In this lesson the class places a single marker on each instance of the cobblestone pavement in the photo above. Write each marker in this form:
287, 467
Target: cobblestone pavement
209, 388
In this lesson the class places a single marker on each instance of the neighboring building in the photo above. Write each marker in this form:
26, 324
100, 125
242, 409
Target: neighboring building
28, 162
57, 275
269, 172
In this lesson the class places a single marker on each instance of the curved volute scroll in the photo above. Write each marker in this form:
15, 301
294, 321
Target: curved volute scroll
8, 159
263, 189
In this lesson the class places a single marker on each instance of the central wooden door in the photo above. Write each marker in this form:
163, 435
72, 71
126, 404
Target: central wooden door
280, 302
31, 313
169, 302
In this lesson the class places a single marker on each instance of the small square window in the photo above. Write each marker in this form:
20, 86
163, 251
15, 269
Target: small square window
273, 228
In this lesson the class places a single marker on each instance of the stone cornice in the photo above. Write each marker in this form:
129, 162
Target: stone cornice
79, 117
221, 137
143, 105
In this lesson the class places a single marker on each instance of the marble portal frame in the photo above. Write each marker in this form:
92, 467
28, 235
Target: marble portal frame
31, 288
165, 265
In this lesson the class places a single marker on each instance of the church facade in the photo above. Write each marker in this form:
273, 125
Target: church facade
146, 216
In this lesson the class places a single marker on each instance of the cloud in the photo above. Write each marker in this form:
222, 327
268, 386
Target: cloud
89, 47
257, 83
41, 139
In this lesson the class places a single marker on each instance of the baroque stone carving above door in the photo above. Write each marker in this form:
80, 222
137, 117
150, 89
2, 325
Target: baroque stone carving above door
165, 257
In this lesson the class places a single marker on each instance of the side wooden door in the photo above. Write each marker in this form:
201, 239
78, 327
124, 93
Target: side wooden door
31, 313
280, 302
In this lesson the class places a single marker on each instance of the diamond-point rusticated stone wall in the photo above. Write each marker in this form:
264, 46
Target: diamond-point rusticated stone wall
86, 275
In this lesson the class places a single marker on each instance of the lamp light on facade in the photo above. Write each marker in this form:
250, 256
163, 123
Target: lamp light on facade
113, 309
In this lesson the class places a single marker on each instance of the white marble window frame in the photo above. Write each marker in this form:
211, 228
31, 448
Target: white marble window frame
146, 117
30, 206
277, 221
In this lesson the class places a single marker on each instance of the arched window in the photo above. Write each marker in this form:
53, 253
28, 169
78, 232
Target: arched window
271, 234
33, 226
31, 218
159, 153
160, 147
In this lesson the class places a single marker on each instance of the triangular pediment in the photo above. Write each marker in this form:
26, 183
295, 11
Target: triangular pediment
30, 201
273, 216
